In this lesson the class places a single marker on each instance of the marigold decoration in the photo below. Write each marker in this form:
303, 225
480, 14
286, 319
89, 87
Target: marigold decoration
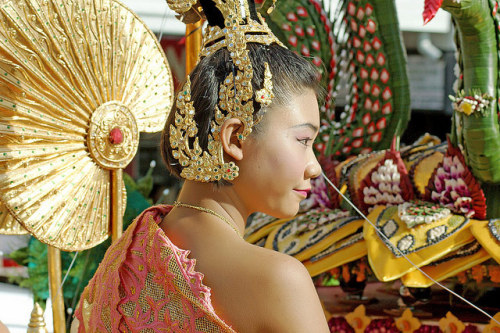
477, 273
453, 186
346, 274
494, 272
335, 272
407, 323
358, 319
451, 324
493, 326
360, 271
462, 277
386, 184
477, 103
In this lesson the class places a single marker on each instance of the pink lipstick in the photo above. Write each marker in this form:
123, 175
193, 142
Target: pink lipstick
303, 193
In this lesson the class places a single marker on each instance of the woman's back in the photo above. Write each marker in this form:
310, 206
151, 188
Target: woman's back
253, 289
144, 283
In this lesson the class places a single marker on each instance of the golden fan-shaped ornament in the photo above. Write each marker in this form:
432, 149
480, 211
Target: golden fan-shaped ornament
79, 80
8, 224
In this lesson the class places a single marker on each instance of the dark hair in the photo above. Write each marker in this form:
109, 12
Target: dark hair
291, 74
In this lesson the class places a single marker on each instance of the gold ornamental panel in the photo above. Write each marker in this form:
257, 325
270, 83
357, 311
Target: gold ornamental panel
79, 79
8, 224
113, 136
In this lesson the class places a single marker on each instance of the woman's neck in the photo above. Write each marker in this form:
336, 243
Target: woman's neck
222, 200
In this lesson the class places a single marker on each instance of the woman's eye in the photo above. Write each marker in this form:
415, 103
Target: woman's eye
304, 141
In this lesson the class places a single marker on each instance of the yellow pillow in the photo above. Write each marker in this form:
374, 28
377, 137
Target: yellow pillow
421, 244
312, 232
345, 250
487, 234
450, 265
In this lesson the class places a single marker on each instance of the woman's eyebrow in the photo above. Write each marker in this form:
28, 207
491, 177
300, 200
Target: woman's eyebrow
311, 126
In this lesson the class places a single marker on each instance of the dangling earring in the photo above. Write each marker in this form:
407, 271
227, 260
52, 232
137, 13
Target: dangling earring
230, 170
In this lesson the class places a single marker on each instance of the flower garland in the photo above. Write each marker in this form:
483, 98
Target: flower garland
415, 213
476, 103
479, 273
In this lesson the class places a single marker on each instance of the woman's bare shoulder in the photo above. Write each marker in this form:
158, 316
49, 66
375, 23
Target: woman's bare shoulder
280, 289
270, 263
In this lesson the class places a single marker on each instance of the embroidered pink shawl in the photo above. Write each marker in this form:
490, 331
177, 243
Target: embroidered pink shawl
147, 284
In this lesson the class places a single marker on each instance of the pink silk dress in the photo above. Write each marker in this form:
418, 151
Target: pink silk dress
147, 284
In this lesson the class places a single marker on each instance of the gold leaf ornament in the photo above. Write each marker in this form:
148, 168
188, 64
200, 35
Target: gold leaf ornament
79, 80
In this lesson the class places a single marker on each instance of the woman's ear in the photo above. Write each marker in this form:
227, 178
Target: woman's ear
229, 132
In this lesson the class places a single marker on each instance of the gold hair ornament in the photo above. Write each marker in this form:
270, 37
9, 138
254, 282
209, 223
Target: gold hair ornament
235, 96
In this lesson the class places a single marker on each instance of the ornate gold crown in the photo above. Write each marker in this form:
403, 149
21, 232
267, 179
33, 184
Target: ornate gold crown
235, 93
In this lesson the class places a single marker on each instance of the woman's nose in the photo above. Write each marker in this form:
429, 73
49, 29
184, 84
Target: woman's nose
313, 169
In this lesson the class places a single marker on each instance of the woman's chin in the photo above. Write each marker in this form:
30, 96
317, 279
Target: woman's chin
285, 213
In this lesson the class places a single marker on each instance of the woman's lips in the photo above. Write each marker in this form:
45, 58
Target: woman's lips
303, 193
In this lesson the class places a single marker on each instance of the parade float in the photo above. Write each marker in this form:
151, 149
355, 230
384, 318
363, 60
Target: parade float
401, 216
412, 216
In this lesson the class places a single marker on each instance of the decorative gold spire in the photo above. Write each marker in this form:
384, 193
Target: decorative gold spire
236, 94
37, 323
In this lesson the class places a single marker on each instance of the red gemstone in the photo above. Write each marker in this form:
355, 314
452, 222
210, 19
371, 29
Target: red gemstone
116, 136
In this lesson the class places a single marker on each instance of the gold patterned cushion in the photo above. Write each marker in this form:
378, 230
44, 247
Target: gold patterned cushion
345, 250
422, 244
312, 232
487, 234
450, 265
260, 226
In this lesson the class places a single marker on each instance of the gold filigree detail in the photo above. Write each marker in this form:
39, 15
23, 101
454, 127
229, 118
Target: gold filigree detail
235, 96
106, 119
181, 6
266, 95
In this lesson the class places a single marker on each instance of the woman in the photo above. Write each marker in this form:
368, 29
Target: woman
241, 136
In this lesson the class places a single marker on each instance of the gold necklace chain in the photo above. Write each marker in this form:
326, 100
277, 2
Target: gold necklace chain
209, 211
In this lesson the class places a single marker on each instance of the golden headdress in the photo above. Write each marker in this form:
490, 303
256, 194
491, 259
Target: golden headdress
236, 94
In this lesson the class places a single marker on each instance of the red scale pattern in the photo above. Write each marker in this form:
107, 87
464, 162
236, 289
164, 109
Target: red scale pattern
367, 68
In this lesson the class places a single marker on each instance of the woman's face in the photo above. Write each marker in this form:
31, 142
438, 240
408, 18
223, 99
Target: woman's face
278, 162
